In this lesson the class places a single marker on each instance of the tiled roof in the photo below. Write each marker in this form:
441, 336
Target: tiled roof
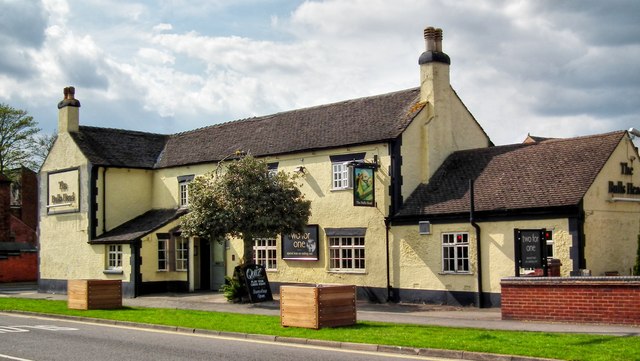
552, 173
358, 121
119, 148
140, 226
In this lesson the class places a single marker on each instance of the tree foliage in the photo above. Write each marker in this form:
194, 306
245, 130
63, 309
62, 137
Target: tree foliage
41, 145
242, 198
17, 132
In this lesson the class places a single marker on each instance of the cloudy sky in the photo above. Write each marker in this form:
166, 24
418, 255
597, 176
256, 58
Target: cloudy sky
547, 67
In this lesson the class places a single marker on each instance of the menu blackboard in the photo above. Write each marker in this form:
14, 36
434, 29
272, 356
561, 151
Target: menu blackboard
254, 279
531, 248
301, 246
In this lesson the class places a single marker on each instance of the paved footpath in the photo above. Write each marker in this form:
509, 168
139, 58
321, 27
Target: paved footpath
488, 318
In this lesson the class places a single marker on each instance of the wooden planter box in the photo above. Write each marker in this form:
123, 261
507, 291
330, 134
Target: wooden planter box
94, 294
317, 306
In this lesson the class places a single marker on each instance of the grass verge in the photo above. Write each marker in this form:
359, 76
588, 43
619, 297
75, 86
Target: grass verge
535, 344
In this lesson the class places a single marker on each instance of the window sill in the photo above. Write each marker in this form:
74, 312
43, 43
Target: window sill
341, 189
112, 272
356, 272
455, 273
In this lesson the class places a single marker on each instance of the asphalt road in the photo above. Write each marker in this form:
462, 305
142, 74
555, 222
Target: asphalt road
28, 338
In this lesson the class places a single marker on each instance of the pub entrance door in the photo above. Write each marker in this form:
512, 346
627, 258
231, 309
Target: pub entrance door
218, 266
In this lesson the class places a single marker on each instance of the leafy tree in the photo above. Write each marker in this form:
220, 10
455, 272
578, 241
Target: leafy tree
17, 131
245, 200
41, 146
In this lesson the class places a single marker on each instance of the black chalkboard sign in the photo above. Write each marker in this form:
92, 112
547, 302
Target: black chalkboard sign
301, 246
531, 249
254, 279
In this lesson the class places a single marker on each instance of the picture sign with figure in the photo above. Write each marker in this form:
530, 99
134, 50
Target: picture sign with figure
364, 185
301, 246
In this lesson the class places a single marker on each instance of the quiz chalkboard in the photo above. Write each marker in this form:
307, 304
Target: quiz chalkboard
254, 278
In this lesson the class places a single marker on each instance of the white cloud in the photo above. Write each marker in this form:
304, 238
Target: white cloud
519, 66
163, 27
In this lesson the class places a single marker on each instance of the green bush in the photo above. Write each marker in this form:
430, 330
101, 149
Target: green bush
232, 289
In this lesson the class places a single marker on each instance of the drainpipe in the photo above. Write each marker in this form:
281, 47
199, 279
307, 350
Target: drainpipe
390, 294
478, 244
104, 200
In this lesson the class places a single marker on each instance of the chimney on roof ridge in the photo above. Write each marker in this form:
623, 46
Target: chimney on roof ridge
434, 69
68, 112
433, 42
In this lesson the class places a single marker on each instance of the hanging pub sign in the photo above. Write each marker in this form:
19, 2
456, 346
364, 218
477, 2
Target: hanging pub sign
531, 247
364, 185
301, 246
254, 278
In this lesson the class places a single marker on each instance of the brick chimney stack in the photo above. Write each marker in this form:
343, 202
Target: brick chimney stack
68, 112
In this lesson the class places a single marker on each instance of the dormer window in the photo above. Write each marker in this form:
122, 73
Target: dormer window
183, 189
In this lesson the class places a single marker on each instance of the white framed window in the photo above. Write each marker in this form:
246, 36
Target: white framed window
183, 189
346, 254
264, 253
163, 254
341, 173
182, 253
455, 252
114, 257
184, 194
341, 176
273, 169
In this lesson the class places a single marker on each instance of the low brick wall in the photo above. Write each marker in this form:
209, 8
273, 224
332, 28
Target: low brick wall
611, 300
19, 268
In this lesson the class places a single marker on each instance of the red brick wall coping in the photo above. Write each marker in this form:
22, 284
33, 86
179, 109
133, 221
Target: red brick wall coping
610, 300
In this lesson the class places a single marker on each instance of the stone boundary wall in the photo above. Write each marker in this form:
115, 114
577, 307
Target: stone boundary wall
610, 300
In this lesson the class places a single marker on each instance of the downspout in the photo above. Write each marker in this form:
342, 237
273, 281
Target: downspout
390, 294
104, 200
478, 244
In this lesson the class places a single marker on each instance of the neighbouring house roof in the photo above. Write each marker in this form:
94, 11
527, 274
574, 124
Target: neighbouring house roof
358, 121
552, 173
139, 226
535, 139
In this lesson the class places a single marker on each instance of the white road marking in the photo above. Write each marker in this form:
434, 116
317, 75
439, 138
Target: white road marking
25, 328
13, 358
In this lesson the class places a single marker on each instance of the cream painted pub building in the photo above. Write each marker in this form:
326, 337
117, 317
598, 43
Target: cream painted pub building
438, 227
